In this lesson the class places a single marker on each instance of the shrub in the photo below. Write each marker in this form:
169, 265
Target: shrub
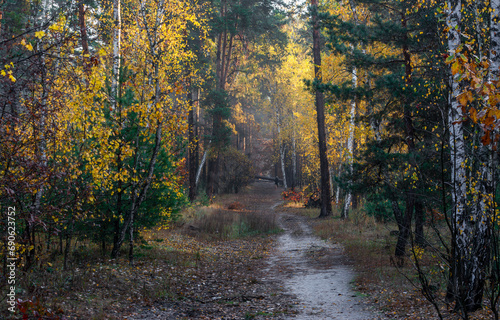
238, 171
313, 199
292, 195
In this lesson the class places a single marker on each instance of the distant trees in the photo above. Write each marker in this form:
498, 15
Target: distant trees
238, 28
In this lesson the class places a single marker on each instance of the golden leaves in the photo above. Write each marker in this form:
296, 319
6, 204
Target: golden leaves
39, 34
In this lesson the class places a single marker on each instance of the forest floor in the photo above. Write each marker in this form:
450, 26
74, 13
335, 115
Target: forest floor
294, 274
208, 267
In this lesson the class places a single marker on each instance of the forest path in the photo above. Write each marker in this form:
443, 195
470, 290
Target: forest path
292, 275
315, 271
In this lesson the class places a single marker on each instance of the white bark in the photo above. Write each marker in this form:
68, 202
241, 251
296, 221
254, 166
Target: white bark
350, 142
331, 183
455, 117
282, 158
352, 114
42, 144
116, 54
485, 183
282, 148
203, 159
470, 231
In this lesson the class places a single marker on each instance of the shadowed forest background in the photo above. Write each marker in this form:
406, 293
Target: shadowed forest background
120, 118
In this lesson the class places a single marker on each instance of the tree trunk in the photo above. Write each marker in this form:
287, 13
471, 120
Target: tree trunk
282, 147
116, 54
192, 155
416, 205
469, 230
212, 175
326, 204
137, 199
294, 163
404, 229
419, 223
223, 58
84, 38
350, 145
140, 188
202, 164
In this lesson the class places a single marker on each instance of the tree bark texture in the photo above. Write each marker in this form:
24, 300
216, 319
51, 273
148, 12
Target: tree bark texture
326, 204
116, 54
192, 145
469, 226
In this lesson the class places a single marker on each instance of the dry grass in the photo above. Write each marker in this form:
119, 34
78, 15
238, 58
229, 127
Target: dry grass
225, 225
235, 205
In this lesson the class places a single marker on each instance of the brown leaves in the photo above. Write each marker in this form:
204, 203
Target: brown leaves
480, 96
465, 97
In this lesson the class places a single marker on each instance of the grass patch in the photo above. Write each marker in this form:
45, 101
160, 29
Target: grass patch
224, 224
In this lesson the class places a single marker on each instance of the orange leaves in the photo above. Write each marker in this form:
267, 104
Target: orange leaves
465, 97
473, 114
479, 97
455, 68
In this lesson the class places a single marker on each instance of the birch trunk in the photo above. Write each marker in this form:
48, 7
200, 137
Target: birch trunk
282, 148
192, 143
282, 160
115, 77
350, 146
203, 159
467, 263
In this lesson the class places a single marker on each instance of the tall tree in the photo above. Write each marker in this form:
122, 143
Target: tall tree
326, 204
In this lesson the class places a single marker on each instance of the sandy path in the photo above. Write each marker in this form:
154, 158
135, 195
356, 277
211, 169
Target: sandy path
308, 276
316, 272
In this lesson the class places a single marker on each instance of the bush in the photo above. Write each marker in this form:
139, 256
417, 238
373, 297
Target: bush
313, 199
292, 195
238, 171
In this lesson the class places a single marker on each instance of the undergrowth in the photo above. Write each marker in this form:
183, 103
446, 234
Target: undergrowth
224, 224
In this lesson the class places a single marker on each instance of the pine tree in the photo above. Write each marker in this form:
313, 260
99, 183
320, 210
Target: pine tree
391, 84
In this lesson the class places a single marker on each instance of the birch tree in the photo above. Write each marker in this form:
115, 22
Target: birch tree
352, 116
469, 256
117, 33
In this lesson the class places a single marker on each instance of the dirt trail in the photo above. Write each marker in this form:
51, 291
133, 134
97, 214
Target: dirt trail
315, 271
303, 277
